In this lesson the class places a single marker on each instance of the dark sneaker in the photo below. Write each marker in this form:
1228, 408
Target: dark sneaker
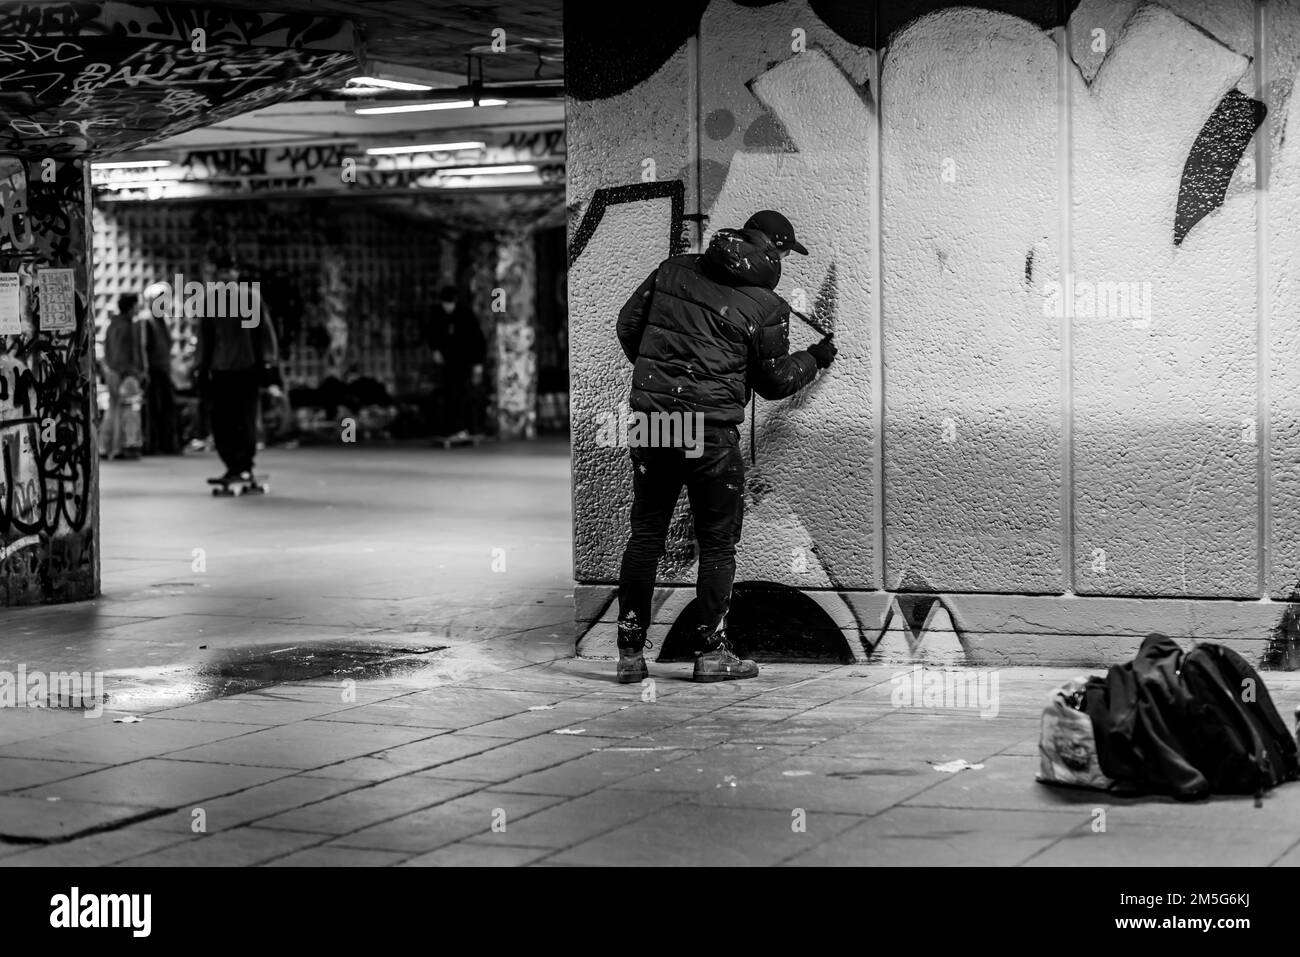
719, 663
632, 643
631, 667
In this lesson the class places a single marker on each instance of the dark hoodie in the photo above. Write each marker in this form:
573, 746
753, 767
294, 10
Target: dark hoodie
703, 330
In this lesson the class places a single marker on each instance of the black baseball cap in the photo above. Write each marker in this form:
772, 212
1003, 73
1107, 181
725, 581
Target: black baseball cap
777, 228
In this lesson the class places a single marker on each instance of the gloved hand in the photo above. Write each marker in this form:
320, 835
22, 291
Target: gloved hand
823, 352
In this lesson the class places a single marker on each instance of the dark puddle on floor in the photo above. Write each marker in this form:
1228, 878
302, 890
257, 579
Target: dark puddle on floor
236, 673
240, 670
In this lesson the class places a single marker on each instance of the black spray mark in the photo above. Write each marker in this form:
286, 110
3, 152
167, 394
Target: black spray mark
1213, 158
766, 621
611, 48
673, 190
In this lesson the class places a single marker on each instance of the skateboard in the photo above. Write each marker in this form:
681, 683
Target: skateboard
451, 441
254, 485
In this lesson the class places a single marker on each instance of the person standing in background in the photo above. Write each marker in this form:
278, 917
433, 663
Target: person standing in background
459, 352
160, 398
124, 367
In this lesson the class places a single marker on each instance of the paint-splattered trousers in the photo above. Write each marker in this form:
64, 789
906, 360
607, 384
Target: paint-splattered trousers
715, 488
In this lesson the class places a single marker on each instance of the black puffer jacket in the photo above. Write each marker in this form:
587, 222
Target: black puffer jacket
703, 330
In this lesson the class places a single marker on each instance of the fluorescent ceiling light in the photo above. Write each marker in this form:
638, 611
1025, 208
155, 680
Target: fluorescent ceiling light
131, 164
138, 184
386, 84
425, 148
424, 107
488, 170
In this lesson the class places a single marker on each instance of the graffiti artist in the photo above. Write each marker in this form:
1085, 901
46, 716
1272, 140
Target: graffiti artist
703, 332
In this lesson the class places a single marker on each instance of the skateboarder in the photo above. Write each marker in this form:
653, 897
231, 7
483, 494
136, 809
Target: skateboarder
235, 356
701, 332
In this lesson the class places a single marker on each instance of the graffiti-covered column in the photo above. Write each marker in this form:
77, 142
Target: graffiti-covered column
516, 355
48, 468
477, 256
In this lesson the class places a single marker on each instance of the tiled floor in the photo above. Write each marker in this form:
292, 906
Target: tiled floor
699, 781
500, 749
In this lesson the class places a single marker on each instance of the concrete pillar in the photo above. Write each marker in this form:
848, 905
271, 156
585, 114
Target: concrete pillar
1066, 315
516, 355
49, 515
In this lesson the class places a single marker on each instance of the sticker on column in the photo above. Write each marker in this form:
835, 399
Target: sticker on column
11, 310
58, 300
15, 226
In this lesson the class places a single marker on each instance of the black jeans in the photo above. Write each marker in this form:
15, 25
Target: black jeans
459, 403
234, 409
715, 487
160, 414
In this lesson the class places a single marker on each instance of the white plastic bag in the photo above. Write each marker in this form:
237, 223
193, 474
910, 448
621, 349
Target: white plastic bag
1067, 748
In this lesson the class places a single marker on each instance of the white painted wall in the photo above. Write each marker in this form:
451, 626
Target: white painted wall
928, 174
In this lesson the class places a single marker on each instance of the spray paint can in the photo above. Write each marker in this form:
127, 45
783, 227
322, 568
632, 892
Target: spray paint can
817, 326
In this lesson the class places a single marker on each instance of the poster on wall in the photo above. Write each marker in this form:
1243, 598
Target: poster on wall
58, 300
11, 312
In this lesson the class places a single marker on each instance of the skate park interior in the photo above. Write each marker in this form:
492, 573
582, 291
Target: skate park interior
1013, 480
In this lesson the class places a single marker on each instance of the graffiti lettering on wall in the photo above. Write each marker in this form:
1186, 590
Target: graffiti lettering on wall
254, 162
46, 455
154, 87
33, 19
241, 27
322, 168
233, 162
44, 458
257, 170
311, 158
536, 145
280, 183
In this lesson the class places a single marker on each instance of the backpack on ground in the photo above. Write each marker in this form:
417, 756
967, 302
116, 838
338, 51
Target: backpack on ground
1236, 737
1168, 722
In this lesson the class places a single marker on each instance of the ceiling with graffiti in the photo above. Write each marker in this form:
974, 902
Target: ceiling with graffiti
438, 36
78, 77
